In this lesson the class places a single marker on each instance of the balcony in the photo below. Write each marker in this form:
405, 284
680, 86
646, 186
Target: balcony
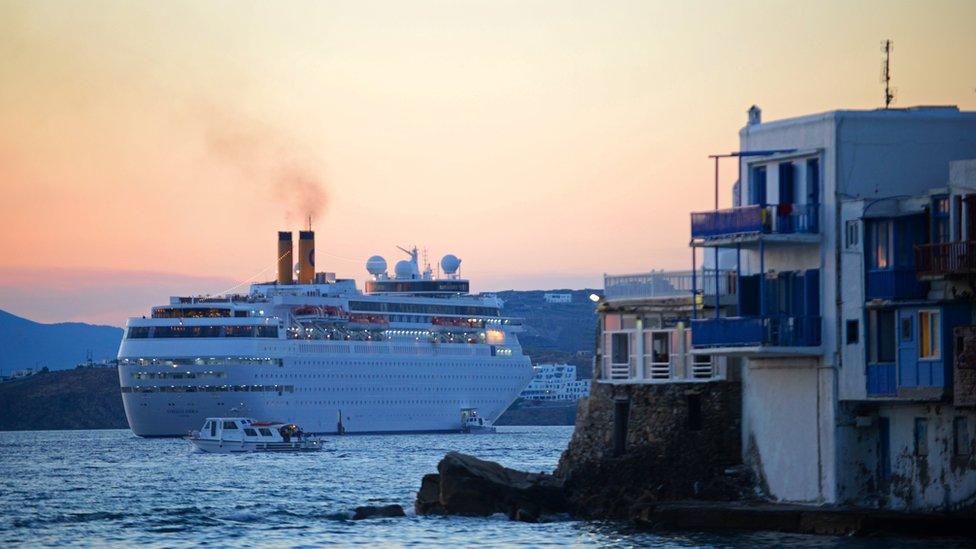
669, 285
946, 259
770, 331
782, 219
895, 284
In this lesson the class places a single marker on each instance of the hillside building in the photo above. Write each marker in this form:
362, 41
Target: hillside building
558, 297
854, 238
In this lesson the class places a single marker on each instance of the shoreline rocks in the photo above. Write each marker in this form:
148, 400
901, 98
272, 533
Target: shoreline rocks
378, 511
466, 485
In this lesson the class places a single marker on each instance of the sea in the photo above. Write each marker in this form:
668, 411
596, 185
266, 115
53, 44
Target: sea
110, 488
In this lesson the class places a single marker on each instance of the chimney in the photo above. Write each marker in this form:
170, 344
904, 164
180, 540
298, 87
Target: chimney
755, 115
284, 258
306, 257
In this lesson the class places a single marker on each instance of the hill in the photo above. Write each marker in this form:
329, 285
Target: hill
563, 327
83, 398
29, 344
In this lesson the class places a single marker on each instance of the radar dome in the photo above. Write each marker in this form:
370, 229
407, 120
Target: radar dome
450, 264
405, 269
376, 265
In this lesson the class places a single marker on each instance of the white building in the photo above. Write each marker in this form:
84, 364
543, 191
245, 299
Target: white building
558, 297
846, 344
645, 330
556, 382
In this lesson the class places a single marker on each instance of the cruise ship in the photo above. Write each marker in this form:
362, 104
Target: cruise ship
410, 353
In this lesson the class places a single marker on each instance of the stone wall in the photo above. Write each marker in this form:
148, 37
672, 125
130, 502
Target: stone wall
682, 441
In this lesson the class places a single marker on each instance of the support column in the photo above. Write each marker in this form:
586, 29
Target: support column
762, 278
694, 284
738, 280
716, 284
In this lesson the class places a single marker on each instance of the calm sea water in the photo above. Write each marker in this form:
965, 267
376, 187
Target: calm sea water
112, 488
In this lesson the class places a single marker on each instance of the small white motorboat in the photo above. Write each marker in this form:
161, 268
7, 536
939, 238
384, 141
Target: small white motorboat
224, 435
474, 424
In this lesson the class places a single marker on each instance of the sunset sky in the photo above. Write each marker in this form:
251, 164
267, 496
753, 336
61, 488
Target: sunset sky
154, 148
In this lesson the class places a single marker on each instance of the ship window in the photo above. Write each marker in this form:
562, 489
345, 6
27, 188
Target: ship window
230, 425
213, 428
250, 432
137, 332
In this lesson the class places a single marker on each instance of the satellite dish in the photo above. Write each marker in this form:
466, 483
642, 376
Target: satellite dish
405, 269
376, 265
450, 264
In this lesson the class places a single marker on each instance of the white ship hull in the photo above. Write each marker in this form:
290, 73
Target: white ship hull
397, 394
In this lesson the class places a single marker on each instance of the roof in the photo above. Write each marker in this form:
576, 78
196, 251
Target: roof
928, 112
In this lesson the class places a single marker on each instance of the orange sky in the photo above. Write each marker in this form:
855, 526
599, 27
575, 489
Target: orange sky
154, 148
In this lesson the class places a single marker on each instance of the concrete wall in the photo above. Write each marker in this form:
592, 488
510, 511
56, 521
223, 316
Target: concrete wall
942, 480
852, 381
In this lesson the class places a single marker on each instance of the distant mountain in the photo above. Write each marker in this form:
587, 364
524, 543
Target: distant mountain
28, 344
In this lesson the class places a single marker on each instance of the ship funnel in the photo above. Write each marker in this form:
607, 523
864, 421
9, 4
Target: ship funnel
306, 257
284, 257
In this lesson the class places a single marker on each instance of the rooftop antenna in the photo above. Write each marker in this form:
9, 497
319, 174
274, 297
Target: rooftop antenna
886, 73
310, 222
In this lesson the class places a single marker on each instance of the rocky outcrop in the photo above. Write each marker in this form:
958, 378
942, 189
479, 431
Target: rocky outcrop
466, 485
380, 511
682, 442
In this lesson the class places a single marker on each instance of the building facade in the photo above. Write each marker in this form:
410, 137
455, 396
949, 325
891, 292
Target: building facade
645, 327
850, 234
556, 382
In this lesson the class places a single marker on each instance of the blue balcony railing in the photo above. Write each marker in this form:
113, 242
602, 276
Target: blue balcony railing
748, 219
772, 331
881, 379
778, 219
895, 284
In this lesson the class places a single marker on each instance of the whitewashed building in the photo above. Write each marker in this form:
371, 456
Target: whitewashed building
552, 297
556, 382
855, 274
645, 326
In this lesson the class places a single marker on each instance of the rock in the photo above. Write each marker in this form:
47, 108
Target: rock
370, 511
428, 497
470, 486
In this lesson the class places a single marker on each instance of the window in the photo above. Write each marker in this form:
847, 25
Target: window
881, 336
212, 425
929, 331
813, 181
757, 186
230, 425
660, 347
694, 413
961, 443
851, 233
619, 348
250, 432
921, 436
906, 328
880, 254
787, 190
852, 331
940, 219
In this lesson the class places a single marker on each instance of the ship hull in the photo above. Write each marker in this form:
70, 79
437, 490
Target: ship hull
326, 395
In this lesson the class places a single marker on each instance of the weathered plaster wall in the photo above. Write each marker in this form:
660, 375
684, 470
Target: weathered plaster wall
780, 435
940, 480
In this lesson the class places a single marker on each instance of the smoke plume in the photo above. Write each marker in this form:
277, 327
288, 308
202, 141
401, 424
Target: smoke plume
267, 156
